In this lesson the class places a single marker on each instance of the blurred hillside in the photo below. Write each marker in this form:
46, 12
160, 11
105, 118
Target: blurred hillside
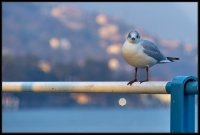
44, 42
180, 22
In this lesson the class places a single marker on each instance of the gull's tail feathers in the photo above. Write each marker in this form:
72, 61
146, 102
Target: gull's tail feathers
172, 59
169, 59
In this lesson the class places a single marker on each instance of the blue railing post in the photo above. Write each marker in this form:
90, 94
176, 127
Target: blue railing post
182, 115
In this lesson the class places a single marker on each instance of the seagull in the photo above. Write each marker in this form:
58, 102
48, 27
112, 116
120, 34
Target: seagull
141, 53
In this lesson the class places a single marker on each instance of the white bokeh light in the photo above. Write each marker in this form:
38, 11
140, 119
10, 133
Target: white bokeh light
122, 101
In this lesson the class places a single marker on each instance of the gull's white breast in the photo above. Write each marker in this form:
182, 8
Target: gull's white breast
134, 55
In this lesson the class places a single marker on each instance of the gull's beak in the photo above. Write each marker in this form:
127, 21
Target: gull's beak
133, 38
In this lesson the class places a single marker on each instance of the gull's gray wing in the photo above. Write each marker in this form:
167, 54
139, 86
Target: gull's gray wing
152, 50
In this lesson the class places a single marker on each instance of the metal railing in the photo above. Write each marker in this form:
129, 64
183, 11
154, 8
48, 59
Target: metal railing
181, 88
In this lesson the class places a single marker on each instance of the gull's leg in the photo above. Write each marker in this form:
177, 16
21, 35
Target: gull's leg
135, 80
147, 75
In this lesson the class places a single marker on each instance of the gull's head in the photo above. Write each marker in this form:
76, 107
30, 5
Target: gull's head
133, 37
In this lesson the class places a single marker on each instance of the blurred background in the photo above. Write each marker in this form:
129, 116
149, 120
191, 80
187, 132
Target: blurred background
56, 41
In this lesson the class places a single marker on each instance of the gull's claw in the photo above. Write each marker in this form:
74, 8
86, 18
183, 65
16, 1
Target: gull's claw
131, 82
144, 81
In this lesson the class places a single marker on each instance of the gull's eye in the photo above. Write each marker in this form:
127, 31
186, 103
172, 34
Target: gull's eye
137, 36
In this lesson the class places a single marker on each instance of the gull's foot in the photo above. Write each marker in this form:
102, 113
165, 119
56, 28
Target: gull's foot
144, 81
131, 82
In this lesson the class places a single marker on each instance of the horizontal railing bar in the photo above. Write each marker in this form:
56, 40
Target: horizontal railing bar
151, 87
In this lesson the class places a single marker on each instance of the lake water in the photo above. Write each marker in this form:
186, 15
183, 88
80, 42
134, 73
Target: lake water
86, 120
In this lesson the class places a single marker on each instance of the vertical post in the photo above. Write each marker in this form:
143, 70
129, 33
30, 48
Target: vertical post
182, 108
